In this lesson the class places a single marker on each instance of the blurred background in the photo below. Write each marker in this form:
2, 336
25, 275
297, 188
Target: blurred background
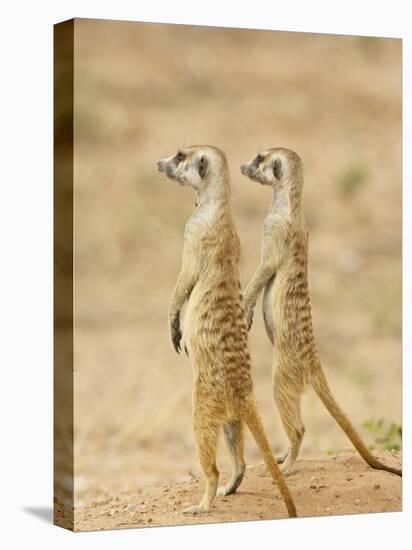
143, 90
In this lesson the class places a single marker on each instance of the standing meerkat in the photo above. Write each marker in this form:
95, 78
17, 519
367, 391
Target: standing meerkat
282, 275
214, 330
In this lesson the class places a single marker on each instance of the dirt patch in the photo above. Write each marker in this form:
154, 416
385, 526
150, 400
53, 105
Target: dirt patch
325, 486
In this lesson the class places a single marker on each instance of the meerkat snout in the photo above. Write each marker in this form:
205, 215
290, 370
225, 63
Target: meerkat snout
243, 169
161, 165
168, 167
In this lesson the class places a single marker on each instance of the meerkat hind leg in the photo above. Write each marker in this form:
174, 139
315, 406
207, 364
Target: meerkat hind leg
233, 432
206, 440
288, 401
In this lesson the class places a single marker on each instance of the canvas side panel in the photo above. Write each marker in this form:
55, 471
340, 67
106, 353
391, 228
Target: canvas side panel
63, 275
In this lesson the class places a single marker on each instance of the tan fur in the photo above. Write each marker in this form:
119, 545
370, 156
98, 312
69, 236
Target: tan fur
214, 332
283, 276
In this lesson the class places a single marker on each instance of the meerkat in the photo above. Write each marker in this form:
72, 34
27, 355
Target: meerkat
214, 328
282, 275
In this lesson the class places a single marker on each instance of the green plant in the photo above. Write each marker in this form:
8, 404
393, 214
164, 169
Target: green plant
386, 318
386, 437
352, 179
331, 452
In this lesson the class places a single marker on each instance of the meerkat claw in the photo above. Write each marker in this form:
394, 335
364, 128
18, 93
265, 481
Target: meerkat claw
176, 334
176, 342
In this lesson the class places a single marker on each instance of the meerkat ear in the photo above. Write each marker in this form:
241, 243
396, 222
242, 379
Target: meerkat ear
277, 169
202, 166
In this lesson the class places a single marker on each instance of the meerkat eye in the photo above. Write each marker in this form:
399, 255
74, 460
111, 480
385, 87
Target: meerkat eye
179, 157
259, 159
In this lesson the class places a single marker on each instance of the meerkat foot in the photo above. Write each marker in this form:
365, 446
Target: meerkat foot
285, 469
225, 490
197, 509
232, 486
281, 458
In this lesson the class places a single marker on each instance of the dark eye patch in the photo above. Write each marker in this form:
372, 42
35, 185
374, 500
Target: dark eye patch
179, 157
259, 159
277, 169
202, 166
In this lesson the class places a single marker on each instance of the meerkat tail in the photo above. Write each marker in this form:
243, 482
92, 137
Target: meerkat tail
321, 387
255, 426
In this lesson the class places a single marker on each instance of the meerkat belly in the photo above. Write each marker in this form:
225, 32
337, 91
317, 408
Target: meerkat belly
201, 325
214, 332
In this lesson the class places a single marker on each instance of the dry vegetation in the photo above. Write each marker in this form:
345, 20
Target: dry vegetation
140, 92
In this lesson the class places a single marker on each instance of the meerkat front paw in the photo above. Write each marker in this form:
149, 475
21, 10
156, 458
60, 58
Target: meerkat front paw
249, 318
176, 333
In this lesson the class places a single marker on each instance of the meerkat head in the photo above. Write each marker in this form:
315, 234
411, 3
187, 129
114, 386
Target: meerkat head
197, 166
275, 167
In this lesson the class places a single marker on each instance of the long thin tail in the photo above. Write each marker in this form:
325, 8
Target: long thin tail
321, 387
254, 424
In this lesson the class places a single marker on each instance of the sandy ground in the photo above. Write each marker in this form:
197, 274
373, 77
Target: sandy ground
141, 91
321, 486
